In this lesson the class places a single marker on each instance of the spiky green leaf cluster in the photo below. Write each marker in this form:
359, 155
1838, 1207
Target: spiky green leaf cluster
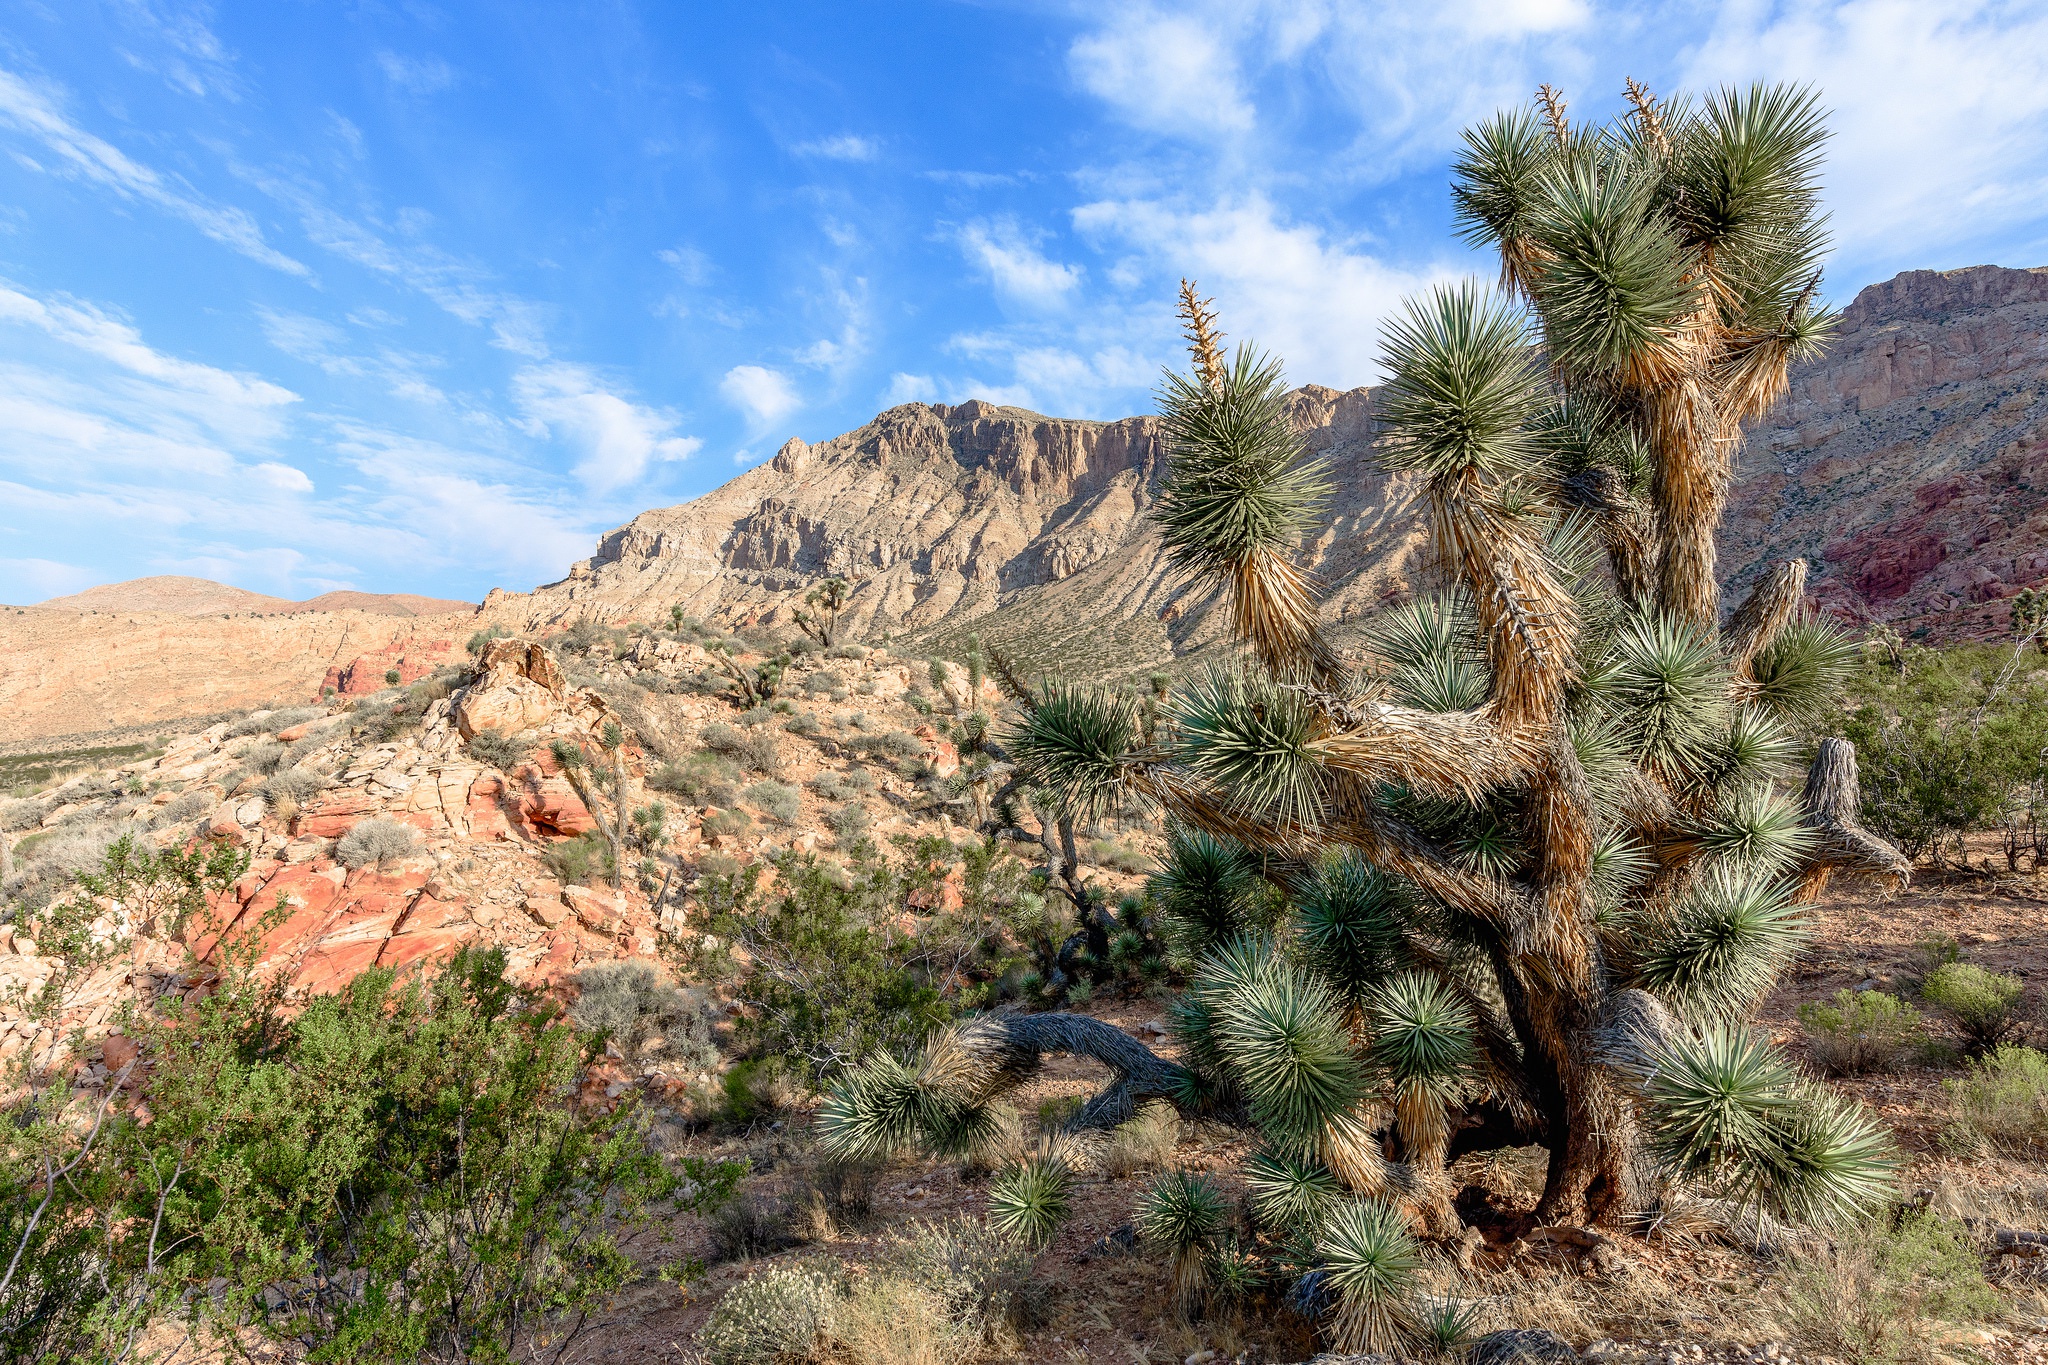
1075, 743
1182, 1211
1348, 921
1209, 888
1716, 951
1372, 1262
1728, 1111
1251, 739
1029, 1202
1239, 482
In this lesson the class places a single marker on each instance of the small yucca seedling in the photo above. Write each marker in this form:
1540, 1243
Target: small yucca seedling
1029, 1202
1371, 1261
1184, 1213
1289, 1192
1444, 1323
1235, 1272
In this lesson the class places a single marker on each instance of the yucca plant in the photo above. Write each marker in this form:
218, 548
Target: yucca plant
1513, 876
1029, 1201
1184, 1214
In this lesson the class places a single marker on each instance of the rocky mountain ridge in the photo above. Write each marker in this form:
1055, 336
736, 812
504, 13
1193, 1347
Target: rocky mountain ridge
189, 596
1909, 463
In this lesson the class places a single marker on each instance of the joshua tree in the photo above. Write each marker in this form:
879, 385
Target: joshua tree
827, 600
1519, 876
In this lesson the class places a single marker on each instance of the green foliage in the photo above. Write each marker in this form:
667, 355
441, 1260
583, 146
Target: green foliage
1371, 1260
1073, 743
1283, 1036
1465, 387
1983, 1004
752, 748
1290, 1192
2002, 1099
1185, 1214
1029, 1201
632, 1006
1948, 743
834, 979
1859, 1032
375, 841
413, 1140
775, 800
1727, 1111
1719, 948
1239, 483
703, 779
585, 859
501, 751
1891, 1294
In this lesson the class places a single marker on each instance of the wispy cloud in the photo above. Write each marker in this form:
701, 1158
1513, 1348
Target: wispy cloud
1020, 272
78, 153
766, 396
416, 75
844, 147
1165, 71
617, 439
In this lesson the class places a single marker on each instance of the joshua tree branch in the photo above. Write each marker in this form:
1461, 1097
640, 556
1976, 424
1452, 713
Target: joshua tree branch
1770, 607
1014, 1045
1834, 811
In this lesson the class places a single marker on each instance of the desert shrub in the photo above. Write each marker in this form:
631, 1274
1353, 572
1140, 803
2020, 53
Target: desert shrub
481, 641
2002, 1099
260, 756
703, 779
419, 1142
759, 1088
896, 744
831, 785
288, 788
592, 637
804, 724
21, 813
773, 1318
1889, 1293
1984, 1005
847, 651
1145, 1143
183, 807
1118, 856
754, 749
1946, 741
892, 1320
774, 799
825, 680
728, 822
499, 750
644, 1014
849, 824
584, 859
756, 715
833, 979
1859, 1031
296, 752
983, 1280
375, 840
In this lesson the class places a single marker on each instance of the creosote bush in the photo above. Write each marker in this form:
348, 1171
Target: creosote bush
2002, 1099
1889, 1294
1984, 1004
771, 1318
645, 1015
375, 841
501, 751
1859, 1032
775, 800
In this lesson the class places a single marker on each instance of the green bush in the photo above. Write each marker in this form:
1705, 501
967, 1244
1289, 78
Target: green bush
849, 824
632, 1005
403, 1161
728, 822
1859, 1031
2002, 1099
482, 639
775, 800
1985, 1005
1888, 1294
503, 752
290, 787
703, 779
584, 859
833, 979
752, 748
1947, 742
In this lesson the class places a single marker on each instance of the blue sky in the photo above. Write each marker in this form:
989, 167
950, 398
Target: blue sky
423, 295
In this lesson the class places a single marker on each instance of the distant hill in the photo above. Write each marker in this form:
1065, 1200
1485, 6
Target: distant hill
1908, 464
186, 596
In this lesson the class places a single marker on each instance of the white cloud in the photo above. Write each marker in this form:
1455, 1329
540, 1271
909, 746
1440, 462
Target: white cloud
1167, 72
687, 261
27, 581
909, 388
35, 113
618, 438
845, 147
283, 477
416, 75
321, 343
766, 396
1939, 113
1013, 263
1290, 287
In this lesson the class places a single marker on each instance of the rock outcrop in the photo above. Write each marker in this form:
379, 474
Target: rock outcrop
1910, 463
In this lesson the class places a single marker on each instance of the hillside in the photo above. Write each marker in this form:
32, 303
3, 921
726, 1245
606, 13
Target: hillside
204, 597
1909, 464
